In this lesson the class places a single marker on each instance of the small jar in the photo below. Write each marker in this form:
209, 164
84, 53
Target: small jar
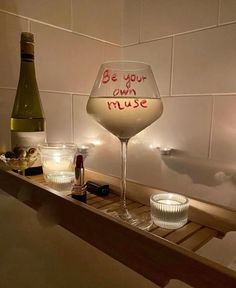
58, 164
169, 210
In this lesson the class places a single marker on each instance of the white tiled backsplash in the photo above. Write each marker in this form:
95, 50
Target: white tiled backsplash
191, 46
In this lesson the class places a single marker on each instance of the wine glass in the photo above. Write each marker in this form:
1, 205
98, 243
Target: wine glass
125, 100
19, 161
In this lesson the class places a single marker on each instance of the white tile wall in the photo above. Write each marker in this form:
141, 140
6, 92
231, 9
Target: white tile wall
184, 125
191, 46
205, 62
101, 19
130, 22
55, 12
161, 18
86, 130
158, 55
10, 29
6, 104
227, 11
59, 128
111, 53
224, 129
104, 156
65, 61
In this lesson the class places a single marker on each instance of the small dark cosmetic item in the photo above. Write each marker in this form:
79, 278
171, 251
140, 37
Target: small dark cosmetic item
79, 189
97, 189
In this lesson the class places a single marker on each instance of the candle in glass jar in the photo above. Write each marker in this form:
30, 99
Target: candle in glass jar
168, 202
58, 164
169, 210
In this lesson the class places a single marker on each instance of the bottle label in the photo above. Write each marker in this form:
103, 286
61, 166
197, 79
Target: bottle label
28, 140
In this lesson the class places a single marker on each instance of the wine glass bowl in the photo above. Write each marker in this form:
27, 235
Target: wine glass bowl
125, 100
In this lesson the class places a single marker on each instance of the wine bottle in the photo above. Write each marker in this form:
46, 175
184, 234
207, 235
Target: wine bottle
27, 118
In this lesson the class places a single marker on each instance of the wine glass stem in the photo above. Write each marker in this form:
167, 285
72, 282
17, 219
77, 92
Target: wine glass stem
124, 144
21, 172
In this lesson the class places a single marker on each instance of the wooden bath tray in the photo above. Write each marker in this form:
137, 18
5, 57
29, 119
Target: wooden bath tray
159, 255
192, 236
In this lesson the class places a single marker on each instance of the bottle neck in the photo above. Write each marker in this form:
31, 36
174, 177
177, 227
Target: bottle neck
27, 72
27, 51
27, 69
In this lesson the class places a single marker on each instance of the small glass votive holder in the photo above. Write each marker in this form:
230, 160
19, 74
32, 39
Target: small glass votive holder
169, 210
58, 164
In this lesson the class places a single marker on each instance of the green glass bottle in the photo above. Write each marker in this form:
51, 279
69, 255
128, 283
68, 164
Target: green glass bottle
27, 119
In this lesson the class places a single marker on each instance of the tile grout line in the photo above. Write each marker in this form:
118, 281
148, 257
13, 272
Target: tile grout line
183, 33
59, 28
122, 30
28, 25
83, 93
211, 128
35, 20
172, 66
72, 118
218, 16
71, 15
139, 23
179, 34
80, 94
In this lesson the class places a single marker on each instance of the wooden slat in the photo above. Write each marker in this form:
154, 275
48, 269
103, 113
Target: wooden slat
110, 207
37, 178
114, 206
161, 232
198, 239
91, 201
106, 202
140, 210
180, 234
133, 205
90, 195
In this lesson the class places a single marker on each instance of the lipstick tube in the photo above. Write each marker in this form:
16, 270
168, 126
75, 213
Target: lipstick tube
79, 189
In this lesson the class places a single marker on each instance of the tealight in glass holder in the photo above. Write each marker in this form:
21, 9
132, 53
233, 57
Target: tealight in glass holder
169, 210
58, 164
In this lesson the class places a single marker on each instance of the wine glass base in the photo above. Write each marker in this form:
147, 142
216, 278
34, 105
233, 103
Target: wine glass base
142, 222
147, 226
128, 217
